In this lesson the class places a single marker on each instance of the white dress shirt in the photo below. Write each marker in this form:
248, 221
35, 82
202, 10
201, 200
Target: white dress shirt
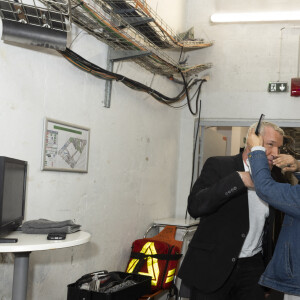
258, 212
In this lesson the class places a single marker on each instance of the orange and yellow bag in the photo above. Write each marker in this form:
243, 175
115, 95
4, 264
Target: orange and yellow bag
155, 258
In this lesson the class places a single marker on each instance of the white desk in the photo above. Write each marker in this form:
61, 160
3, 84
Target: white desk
187, 226
34, 242
179, 222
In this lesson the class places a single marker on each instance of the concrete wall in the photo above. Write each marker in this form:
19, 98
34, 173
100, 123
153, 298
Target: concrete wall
246, 57
132, 159
238, 136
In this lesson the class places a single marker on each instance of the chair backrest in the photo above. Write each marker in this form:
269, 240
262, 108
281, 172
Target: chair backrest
168, 235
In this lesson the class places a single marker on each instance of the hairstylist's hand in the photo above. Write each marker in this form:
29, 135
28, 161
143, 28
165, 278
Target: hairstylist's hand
254, 140
286, 162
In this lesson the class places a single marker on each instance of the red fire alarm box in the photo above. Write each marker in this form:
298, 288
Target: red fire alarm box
295, 87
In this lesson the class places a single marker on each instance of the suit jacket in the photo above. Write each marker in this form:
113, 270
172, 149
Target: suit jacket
220, 198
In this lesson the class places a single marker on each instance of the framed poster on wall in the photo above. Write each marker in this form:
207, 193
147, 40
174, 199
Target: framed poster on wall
65, 147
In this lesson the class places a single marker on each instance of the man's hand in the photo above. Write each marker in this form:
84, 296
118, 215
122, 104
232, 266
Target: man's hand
286, 163
254, 140
247, 180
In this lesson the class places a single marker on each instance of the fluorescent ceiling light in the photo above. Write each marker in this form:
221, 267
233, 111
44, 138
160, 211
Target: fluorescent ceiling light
256, 17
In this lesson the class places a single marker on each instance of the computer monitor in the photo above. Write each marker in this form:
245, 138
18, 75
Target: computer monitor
13, 173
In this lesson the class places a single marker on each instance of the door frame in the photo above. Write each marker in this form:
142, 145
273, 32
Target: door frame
198, 159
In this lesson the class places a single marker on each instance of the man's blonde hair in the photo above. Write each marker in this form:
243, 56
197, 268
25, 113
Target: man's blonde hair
263, 125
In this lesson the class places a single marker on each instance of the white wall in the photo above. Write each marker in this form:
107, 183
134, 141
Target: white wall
238, 135
245, 59
172, 12
132, 159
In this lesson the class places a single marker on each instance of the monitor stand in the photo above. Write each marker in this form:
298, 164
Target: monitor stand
8, 240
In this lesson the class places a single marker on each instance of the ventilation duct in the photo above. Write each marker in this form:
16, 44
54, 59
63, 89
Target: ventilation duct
32, 25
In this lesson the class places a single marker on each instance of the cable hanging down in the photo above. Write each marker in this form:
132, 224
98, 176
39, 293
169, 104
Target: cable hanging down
99, 72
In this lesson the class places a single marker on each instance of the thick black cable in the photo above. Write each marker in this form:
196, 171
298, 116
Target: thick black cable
196, 92
194, 152
188, 96
195, 144
127, 81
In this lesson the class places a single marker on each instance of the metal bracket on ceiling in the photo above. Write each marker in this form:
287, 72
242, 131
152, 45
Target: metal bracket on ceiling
118, 55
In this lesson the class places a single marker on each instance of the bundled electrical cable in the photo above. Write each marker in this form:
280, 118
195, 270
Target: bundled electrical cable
95, 70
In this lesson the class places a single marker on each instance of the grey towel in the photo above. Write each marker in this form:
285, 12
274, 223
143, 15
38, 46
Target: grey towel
43, 226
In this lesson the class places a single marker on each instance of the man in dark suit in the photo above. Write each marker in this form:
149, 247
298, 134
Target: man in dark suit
233, 241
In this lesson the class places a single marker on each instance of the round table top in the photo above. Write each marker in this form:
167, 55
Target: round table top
39, 242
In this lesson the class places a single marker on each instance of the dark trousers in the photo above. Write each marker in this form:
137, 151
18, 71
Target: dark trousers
242, 284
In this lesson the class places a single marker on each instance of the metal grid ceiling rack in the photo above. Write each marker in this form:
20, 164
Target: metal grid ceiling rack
129, 25
132, 25
155, 29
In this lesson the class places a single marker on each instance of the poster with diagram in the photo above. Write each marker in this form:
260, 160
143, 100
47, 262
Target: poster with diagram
66, 147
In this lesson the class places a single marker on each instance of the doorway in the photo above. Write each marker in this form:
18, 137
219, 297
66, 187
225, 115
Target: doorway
225, 138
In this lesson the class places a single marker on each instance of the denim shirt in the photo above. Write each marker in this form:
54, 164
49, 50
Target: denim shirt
283, 271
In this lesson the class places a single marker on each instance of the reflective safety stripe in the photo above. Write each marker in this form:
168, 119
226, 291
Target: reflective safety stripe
133, 262
170, 275
132, 265
152, 263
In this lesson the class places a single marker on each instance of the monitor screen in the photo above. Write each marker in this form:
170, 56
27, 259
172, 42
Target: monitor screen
13, 192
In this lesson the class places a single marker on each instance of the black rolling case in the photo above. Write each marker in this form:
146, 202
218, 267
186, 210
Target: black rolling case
114, 286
